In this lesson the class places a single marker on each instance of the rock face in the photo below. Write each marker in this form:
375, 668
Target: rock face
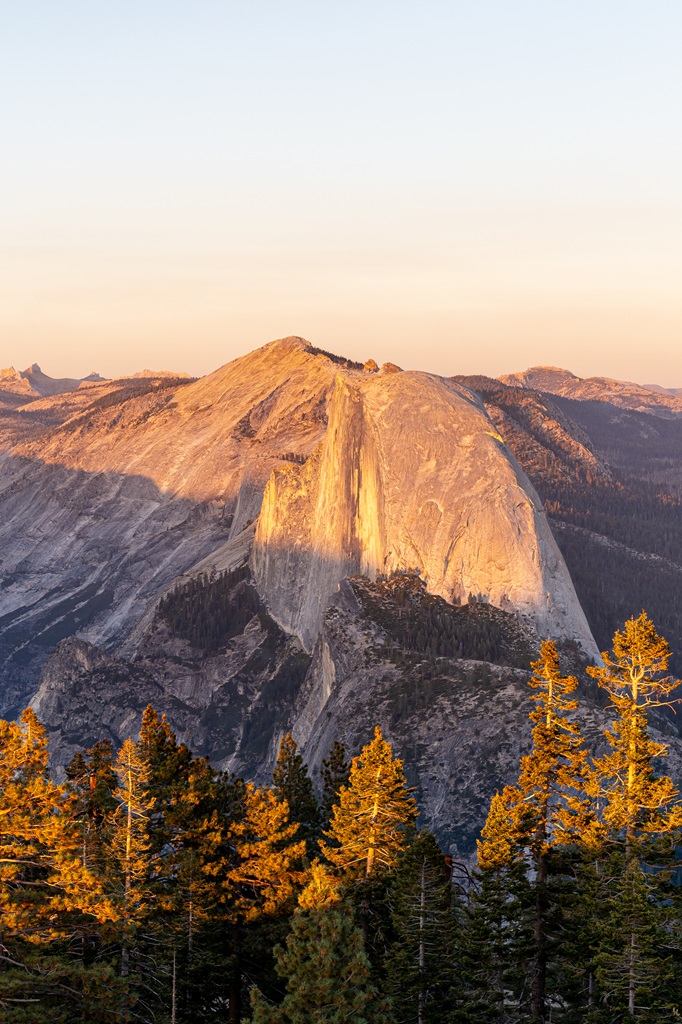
307, 469
410, 474
117, 489
33, 382
134, 485
626, 395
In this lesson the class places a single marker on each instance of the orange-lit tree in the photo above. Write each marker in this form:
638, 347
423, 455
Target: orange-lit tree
529, 829
262, 874
641, 816
50, 902
375, 815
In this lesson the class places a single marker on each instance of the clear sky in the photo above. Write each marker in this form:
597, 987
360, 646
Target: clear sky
461, 186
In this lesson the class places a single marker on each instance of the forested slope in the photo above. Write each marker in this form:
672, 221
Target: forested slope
610, 481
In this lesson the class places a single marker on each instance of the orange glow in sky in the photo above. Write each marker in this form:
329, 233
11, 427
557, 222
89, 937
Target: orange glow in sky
460, 188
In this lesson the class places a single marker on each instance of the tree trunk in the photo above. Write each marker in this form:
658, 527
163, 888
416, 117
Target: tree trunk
539, 980
632, 980
234, 1011
173, 991
422, 952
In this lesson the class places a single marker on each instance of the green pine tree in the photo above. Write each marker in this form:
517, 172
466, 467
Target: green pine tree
291, 782
496, 945
420, 964
327, 974
334, 771
632, 975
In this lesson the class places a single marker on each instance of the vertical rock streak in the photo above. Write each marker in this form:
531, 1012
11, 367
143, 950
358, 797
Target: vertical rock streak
410, 475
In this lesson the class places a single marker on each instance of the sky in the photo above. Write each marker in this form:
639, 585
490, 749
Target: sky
453, 186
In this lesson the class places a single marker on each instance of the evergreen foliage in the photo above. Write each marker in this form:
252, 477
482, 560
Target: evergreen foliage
422, 977
149, 887
372, 822
335, 771
209, 610
51, 902
426, 624
327, 974
292, 784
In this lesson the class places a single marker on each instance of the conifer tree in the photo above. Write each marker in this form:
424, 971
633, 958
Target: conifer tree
130, 848
636, 803
49, 900
632, 975
334, 771
185, 796
420, 963
496, 944
375, 816
640, 812
291, 782
551, 811
263, 873
327, 974
92, 779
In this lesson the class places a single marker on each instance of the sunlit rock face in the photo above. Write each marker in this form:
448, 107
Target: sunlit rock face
410, 475
113, 490
116, 490
654, 400
209, 439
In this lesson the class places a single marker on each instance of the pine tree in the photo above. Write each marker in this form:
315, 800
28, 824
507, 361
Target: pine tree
92, 779
184, 831
551, 811
497, 944
636, 803
375, 816
632, 975
262, 875
334, 771
419, 965
640, 811
50, 902
130, 850
327, 974
291, 782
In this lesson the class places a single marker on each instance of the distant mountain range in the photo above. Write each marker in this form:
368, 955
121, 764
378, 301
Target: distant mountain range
33, 382
299, 541
648, 398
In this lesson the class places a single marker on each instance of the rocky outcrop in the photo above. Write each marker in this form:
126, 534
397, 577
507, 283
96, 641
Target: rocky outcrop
311, 469
410, 474
135, 484
623, 394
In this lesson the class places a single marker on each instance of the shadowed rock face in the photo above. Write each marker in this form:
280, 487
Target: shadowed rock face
410, 474
130, 484
120, 489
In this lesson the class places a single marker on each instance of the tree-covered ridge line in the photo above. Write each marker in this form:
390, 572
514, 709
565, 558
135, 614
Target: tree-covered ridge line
150, 887
210, 609
426, 624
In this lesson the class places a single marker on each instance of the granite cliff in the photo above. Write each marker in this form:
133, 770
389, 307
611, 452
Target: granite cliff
312, 480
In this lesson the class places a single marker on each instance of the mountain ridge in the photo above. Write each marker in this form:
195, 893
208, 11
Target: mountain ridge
318, 485
638, 397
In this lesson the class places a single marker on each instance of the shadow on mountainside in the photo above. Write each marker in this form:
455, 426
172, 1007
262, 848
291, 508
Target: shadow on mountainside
87, 554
